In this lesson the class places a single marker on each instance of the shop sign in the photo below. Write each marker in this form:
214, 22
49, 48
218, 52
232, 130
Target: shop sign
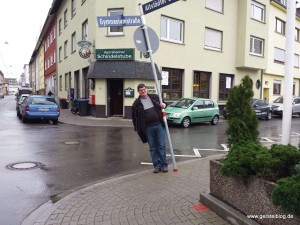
84, 50
115, 54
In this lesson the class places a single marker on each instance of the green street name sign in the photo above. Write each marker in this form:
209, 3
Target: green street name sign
115, 54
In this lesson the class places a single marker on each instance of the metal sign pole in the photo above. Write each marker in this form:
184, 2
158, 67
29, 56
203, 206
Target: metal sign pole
157, 85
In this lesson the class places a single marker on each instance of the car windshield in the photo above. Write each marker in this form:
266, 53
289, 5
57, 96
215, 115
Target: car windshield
279, 100
183, 103
43, 101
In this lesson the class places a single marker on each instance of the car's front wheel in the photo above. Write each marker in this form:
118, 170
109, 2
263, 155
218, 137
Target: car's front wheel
269, 115
214, 120
186, 122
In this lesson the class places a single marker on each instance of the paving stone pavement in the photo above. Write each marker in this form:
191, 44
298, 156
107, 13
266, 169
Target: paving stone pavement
136, 199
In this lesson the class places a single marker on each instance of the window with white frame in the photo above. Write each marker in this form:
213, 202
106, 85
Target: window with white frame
115, 30
256, 46
73, 42
66, 49
216, 5
280, 26
276, 87
257, 11
279, 55
213, 39
51, 59
73, 7
65, 18
48, 61
171, 29
54, 57
54, 32
85, 27
46, 64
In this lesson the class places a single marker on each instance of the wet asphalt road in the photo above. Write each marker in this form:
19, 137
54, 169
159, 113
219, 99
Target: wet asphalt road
72, 156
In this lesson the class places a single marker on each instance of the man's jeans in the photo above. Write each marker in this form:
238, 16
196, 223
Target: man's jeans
157, 143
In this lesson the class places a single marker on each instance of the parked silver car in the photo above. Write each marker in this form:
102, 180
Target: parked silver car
278, 106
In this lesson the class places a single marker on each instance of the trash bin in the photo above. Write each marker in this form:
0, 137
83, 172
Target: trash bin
83, 106
63, 103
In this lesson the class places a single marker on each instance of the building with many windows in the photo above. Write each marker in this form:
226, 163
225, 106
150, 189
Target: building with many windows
203, 51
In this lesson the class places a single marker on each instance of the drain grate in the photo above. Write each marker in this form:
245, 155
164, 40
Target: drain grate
25, 166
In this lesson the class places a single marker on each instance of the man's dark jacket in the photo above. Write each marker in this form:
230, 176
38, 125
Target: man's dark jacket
139, 118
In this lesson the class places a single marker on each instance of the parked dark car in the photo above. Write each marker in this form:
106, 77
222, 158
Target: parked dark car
39, 107
278, 106
261, 108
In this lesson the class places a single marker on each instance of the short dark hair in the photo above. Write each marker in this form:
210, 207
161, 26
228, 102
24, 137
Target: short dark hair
140, 86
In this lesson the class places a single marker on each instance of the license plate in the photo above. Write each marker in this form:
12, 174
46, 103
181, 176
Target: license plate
43, 109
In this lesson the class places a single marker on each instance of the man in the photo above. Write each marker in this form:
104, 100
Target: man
149, 124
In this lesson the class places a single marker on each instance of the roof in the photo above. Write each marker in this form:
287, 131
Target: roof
122, 69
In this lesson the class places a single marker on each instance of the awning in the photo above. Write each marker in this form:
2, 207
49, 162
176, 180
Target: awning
122, 69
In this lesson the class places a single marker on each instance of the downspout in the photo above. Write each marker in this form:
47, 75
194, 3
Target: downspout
261, 85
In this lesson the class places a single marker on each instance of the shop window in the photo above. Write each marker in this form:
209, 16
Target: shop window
225, 83
172, 89
201, 84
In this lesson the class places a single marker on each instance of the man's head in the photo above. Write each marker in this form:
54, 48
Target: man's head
141, 88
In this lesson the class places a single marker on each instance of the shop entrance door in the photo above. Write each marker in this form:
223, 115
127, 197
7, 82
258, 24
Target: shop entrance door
115, 97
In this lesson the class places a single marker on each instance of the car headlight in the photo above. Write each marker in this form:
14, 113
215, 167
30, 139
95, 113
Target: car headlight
176, 115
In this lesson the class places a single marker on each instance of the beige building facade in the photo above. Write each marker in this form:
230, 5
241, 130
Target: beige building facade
205, 48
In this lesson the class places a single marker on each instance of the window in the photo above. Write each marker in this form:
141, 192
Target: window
59, 26
115, 30
67, 81
73, 42
256, 46
280, 26
171, 29
276, 87
216, 5
85, 31
66, 49
73, 7
279, 55
46, 64
65, 18
257, 11
225, 83
296, 60
213, 39
54, 57
54, 32
51, 36
201, 84
173, 89
283, 2
51, 59
296, 34
60, 82
59, 54
48, 61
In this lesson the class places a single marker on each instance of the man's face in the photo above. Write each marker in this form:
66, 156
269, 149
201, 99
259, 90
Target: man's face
143, 92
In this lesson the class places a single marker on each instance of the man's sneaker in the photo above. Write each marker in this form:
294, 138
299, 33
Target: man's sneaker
164, 169
156, 170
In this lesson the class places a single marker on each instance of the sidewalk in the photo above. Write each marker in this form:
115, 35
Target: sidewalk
66, 116
140, 198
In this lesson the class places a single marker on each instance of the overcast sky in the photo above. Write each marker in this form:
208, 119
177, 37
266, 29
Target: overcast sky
20, 24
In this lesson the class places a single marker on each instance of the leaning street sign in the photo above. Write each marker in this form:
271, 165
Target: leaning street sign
156, 4
119, 21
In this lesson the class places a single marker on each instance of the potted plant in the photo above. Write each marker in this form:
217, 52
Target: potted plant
262, 183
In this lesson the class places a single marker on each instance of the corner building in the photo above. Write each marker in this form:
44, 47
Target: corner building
205, 48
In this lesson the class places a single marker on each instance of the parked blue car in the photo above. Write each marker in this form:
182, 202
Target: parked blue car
39, 107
